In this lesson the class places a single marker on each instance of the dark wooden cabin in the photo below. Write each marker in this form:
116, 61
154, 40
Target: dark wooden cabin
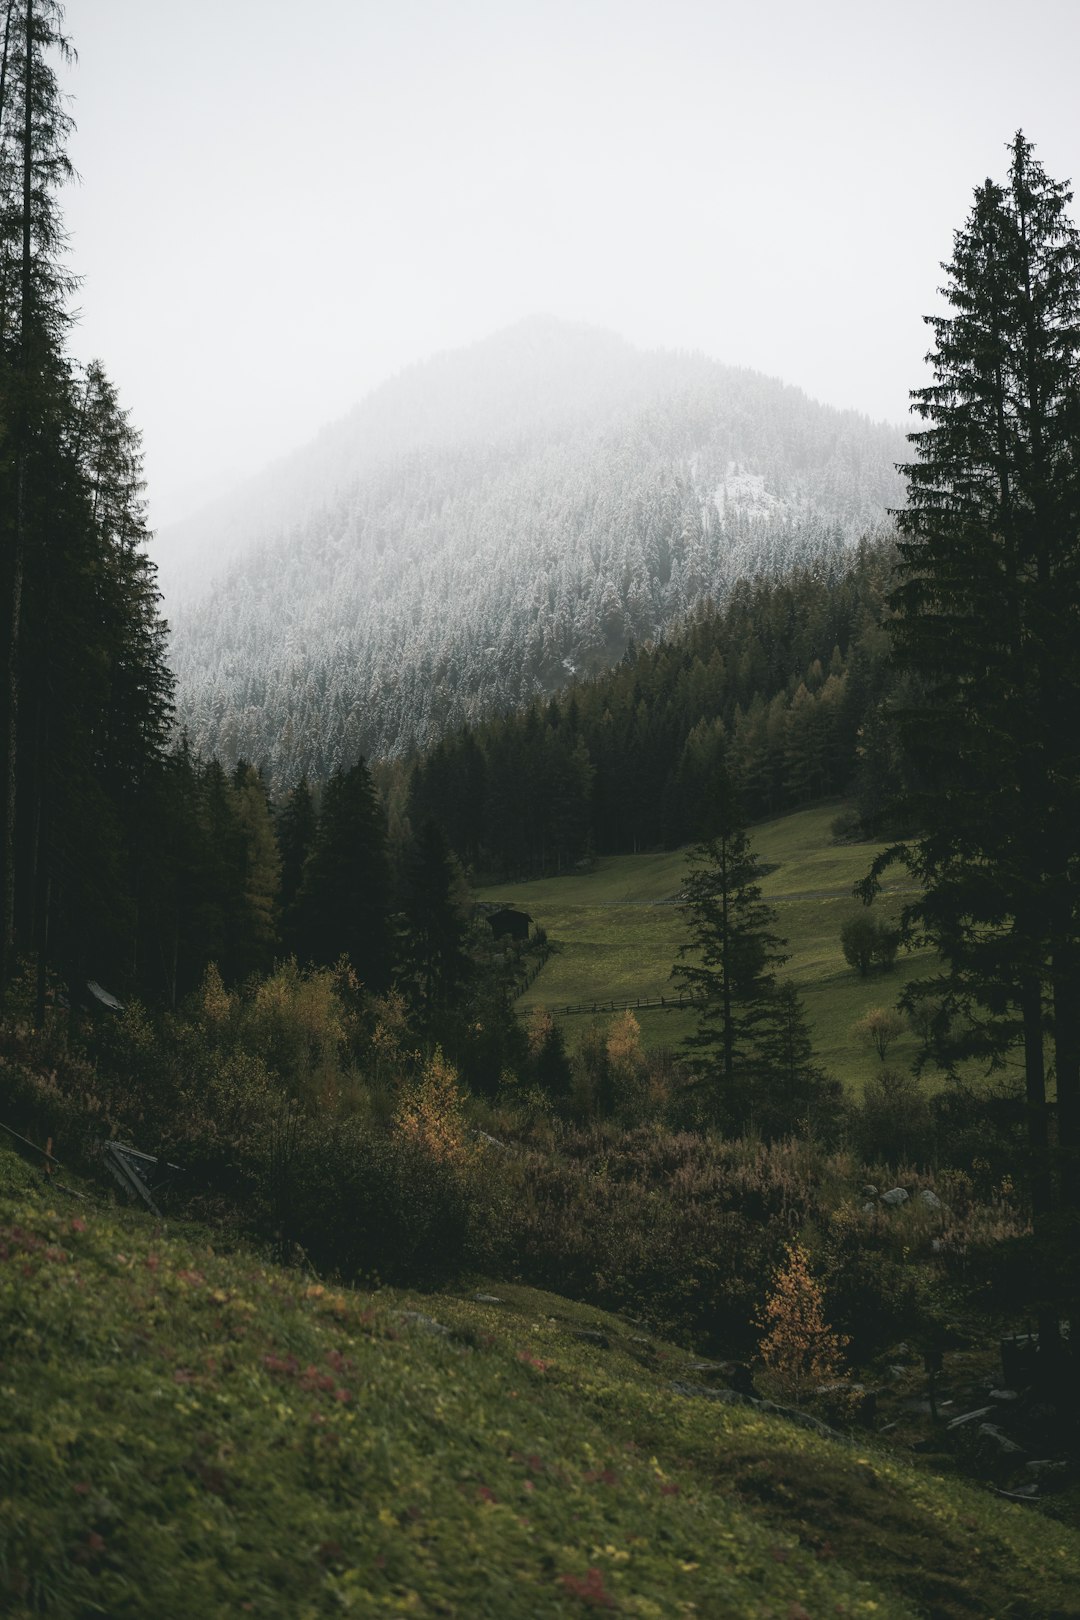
510, 924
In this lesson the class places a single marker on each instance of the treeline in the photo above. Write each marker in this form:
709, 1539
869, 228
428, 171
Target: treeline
230, 884
780, 687
127, 860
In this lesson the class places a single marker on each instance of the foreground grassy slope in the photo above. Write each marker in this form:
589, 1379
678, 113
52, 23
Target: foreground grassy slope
617, 933
188, 1431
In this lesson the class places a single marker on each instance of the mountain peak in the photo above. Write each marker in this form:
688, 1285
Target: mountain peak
494, 518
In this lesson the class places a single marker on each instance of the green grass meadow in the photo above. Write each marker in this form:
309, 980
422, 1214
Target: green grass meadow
189, 1430
616, 937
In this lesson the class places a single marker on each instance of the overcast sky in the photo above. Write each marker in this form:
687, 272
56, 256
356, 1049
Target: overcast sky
282, 205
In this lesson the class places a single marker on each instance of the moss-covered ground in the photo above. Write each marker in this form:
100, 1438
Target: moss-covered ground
189, 1430
617, 933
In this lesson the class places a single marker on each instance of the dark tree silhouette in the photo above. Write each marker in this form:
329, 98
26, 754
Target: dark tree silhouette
344, 901
727, 962
985, 629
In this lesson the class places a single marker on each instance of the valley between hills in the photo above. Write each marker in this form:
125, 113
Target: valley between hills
615, 933
364, 1253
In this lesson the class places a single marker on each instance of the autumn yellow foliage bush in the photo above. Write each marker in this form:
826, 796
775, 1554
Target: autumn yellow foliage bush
431, 1113
798, 1346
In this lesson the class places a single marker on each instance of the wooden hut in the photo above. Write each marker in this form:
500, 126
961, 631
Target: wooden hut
509, 923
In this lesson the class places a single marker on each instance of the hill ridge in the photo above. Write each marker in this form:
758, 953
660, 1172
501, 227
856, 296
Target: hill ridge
562, 504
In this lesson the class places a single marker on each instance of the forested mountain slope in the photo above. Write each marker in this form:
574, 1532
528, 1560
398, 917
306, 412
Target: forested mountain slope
491, 523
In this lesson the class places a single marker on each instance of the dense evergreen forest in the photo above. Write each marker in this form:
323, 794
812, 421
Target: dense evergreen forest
493, 524
783, 687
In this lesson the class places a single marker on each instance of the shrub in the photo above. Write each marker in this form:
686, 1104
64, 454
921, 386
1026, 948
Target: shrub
877, 1288
858, 937
430, 1114
879, 1029
548, 1063
867, 941
798, 1346
677, 1227
300, 1021
894, 1118
846, 828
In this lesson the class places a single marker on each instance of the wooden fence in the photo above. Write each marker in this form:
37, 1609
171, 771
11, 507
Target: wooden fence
679, 999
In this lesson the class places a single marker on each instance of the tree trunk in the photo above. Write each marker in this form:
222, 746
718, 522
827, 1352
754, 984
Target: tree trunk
1035, 1098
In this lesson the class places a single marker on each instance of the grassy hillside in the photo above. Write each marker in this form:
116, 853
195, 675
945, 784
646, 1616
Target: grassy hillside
617, 934
188, 1431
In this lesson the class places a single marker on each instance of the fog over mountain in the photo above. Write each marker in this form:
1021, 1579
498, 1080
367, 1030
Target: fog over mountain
489, 524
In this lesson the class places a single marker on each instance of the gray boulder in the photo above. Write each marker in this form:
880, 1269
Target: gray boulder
425, 1324
1048, 1472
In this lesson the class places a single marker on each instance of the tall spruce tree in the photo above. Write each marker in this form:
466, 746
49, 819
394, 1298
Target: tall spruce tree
86, 694
262, 870
295, 825
436, 964
797, 1094
33, 285
985, 629
344, 900
728, 963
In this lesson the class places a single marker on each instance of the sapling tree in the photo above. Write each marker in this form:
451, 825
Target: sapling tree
798, 1346
879, 1029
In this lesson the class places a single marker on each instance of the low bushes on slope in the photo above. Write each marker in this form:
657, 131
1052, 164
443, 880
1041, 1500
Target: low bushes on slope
682, 1228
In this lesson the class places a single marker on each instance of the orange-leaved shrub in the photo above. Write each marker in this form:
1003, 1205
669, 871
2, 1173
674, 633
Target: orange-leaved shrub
798, 1347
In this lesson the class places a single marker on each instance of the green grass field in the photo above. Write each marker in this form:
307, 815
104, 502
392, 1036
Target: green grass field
187, 1430
616, 937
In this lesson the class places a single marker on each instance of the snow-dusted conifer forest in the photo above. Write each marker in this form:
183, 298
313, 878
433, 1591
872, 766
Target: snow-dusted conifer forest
490, 524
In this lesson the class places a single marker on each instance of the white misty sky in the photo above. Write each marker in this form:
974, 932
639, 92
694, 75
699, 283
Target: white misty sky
281, 206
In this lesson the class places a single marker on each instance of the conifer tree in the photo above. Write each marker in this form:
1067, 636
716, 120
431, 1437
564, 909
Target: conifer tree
33, 284
436, 963
344, 901
262, 871
797, 1092
295, 826
86, 694
798, 1346
984, 631
985, 627
728, 963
